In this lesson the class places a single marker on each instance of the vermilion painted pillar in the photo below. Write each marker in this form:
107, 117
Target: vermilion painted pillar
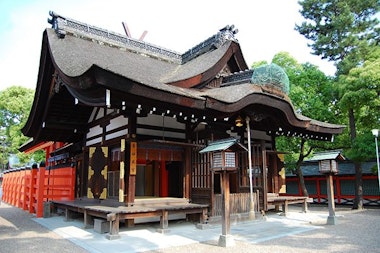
40, 192
164, 184
26, 189
32, 190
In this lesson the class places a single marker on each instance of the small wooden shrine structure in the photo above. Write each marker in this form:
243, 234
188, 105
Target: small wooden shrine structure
328, 165
132, 116
224, 162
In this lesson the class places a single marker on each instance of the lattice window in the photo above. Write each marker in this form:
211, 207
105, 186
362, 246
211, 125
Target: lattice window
230, 161
200, 177
256, 167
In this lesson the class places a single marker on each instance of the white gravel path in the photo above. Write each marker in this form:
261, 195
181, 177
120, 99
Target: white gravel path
356, 231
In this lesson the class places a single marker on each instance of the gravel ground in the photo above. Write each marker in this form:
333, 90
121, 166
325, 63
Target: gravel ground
19, 234
356, 231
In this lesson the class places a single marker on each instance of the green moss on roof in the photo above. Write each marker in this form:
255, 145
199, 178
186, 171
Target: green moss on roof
271, 74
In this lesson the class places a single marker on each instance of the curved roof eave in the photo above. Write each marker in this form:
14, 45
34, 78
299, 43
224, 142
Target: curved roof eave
206, 66
31, 128
235, 98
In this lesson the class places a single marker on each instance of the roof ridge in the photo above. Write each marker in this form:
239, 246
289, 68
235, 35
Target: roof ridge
63, 25
237, 77
227, 33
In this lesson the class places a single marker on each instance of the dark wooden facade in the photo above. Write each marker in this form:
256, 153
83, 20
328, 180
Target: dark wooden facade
134, 116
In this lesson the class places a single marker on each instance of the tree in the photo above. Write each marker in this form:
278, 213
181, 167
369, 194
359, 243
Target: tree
343, 31
311, 95
360, 89
15, 105
360, 95
258, 63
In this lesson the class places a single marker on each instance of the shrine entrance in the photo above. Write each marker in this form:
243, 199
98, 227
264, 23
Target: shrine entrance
159, 179
175, 179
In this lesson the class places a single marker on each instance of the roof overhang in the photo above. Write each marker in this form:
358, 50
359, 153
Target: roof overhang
31, 146
222, 145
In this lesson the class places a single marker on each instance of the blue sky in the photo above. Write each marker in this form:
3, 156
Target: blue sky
265, 28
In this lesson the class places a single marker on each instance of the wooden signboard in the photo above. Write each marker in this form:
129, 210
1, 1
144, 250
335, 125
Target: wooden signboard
133, 159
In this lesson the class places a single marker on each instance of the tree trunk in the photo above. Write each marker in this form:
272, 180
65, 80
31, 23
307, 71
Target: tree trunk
302, 179
358, 201
298, 167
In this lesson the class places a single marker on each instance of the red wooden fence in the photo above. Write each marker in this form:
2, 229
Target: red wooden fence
29, 188
344, 189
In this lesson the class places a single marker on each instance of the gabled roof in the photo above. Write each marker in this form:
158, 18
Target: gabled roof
222, 145
80, 64
327, 155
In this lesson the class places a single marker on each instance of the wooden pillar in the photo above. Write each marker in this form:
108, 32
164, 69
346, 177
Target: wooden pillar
225, 188
72, 181
225, 239
26, 189
187, 164
32, 190
164, 184
132, 174
122, 171
265, 177
18, 189
275, 175
40, 192
114, 220
331, 220
164, 222
131, 156
187, 173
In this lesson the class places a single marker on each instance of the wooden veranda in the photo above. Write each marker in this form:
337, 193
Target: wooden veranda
113, 212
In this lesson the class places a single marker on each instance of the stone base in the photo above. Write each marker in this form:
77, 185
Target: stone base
252, 215
101, 226
226, 241
47, 209
162, 230
331, 220
203, 226
112, 237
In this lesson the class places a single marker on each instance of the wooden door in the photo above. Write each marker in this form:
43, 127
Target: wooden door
97, 172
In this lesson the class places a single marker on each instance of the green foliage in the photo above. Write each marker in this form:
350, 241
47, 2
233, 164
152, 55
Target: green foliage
312, 95
258, 64
310, 89
346, 32
360, 89
15, 105
341, 30
291, 145
288, 62
363, 148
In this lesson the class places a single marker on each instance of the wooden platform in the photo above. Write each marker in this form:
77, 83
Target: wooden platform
114, 212
277, 200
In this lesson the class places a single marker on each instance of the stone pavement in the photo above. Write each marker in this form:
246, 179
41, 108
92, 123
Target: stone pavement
356, 231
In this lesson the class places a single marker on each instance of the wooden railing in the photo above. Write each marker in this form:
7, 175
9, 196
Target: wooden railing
239, 203
344, 189
29, 188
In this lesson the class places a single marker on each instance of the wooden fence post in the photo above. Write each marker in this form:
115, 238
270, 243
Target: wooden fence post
32, 188
72, 186
40, 191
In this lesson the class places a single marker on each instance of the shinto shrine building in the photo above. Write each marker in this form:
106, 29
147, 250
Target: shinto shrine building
129, 118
